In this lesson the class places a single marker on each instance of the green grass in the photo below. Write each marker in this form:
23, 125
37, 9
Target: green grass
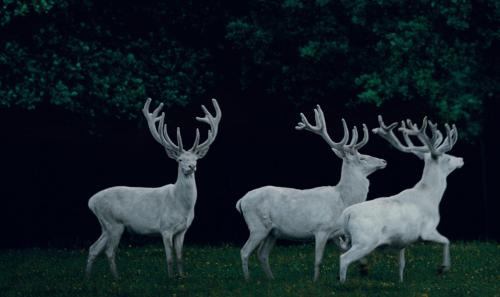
216, 271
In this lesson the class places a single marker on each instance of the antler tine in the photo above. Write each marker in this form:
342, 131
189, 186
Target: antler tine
354, 138
320, 128
196, 140
179, 138
364, 141
450, 140
169, 145
387, 133
454, 128
437, 136
152, 118
160, 133
213, 121
406, 137
345, 138
353, 144
429, 145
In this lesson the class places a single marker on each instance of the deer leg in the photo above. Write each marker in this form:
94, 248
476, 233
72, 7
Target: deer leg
263, 253
114, 234
321, 238
402, 263
94, 250
363, 266
178, 243
435, 236
167, 242
253, 241
355, 253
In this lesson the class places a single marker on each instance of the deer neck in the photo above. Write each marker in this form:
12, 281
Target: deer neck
353, 185
185, 188
432, 183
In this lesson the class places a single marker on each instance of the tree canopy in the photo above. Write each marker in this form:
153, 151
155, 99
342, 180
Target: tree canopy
103, 59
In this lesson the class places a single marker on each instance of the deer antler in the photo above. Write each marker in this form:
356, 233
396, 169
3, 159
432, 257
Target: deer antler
434, 145
213, 121
160, 133
320, 129
354, 144
450, 140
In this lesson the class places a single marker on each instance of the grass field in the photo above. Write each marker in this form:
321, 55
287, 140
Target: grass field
216, 271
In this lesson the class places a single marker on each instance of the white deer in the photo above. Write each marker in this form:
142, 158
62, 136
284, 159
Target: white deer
411, 215
276, 212
167, 210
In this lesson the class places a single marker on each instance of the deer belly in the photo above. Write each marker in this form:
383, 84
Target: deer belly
293, 234
145, 225
293, 231
402, 237
141, 229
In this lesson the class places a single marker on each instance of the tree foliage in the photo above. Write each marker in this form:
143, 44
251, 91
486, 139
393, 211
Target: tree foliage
104, 57
435, 52
95, 60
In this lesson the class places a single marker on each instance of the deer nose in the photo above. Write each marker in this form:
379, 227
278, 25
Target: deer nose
192, 167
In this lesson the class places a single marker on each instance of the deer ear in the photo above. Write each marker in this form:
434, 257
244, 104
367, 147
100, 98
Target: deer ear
202, 152
172, 154
338, 153
420, 155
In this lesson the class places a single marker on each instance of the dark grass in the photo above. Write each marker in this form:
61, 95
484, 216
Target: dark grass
216, 271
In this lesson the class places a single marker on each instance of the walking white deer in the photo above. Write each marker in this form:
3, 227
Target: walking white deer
167, 210
275, 212
411, 215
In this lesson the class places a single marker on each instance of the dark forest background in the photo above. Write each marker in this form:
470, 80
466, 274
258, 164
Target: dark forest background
75, 74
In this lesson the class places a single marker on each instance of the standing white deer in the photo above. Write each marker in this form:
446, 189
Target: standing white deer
411, 215
167, 210
275, 212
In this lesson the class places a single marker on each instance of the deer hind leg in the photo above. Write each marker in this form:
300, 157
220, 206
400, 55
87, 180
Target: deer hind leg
114, 235
94, 250
435, 236
402, 263
355, 253
263, 253
253, 241
168, 243
178, 243
320, 242
363, 266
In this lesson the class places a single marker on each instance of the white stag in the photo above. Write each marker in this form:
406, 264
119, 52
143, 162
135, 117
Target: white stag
411, 215
167, 210
275, 212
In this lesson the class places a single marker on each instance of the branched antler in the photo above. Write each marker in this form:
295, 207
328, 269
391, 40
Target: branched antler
450, 140
434, 145
320, 129
160, 132
213, 121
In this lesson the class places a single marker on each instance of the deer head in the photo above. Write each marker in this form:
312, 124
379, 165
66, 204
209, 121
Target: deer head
433, 149
347, 150
187, 159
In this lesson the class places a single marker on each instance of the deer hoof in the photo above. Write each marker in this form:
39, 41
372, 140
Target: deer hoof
363, 270
442, 269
